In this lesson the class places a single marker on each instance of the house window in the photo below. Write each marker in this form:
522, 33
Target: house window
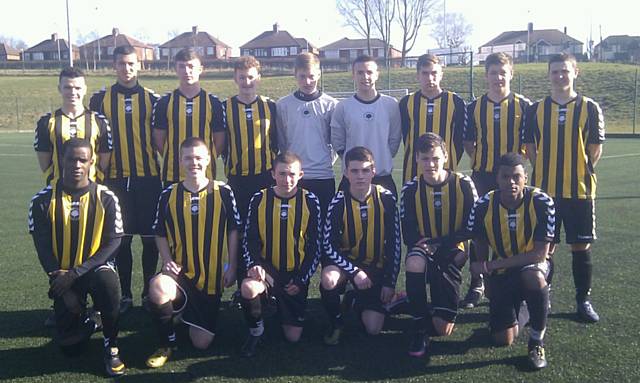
261, 52
37, 56
210, 51
278, 52
375, 52
353, 53
293, 51
165, 52
110, 51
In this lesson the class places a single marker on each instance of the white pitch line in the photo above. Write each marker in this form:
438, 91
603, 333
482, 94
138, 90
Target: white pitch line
622, 155
15, 155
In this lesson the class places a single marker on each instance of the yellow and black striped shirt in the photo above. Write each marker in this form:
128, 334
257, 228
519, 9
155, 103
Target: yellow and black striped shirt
562, 134
437, 212
250, 136
283, 234
71, 227
495, 128
54, 129
182, 117
513, 231
364, 234
196, 226
129, 113
444, 115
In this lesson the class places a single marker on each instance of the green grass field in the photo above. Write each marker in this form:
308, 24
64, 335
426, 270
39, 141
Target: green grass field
606, 351
26, 97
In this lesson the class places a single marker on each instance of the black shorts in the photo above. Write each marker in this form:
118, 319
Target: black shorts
579, 219
484, 182
291, 308
138, 197
444, 277
386, 182
324, 189
507, 294
198, 309
244, 187
368, 299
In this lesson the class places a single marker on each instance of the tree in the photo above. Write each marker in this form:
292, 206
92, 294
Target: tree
383, 14
453, 33
357, 15
412, 15
13, 42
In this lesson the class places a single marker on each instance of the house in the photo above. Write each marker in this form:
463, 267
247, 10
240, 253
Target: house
53, 49
207, 46
621, 48
102, 48
277, 43
541, 44
347, 49
9, 53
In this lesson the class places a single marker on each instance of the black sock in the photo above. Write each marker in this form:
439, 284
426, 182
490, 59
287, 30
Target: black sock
538, 305
252, 310
551, 270
416, 294
163, 319
331, 302
124, 263
149, 262
582, 272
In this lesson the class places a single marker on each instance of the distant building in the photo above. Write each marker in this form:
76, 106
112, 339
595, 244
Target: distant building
207, 46
541, 44
53, 49
277, 43
619, 48
348, 49
9, 53
102, 48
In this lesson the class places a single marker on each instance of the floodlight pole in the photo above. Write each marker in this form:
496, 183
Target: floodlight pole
69, 36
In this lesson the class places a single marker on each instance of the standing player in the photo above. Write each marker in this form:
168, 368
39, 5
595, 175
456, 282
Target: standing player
494, 127
250, 128
197, 235
188, 111
564, 134
71, 120
281, 251
304, 119
368, 119
431, 109
361, 245
76, 229
518, 223
134, 172
434, 210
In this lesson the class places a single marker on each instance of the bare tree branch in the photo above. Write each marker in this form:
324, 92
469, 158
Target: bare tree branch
412, 15
357, 15
458, 29
384, 12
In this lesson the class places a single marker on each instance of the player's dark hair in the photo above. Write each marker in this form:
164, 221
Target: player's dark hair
246, 62
362, 59
498, 58
187, 54
427, 59
358, 153
511, 160
70, 72
286, 158
562, 57
306, 60
429, 141
124, 50
192, 142
76, 142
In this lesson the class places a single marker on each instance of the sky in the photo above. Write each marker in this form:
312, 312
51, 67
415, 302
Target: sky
237, 22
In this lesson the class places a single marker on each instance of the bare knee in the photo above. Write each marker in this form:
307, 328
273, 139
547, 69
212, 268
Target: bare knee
330, 277
200, 339
505, 337
162, 289
250, 288
292, 333
533, 279
415, 264
443, 328
580, 246
373, 321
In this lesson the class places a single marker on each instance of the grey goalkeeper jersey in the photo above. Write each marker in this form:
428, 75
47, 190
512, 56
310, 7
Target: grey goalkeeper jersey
304, 128
373, 124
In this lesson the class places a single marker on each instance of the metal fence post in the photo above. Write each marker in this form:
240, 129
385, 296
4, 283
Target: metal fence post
17, 115
635, 101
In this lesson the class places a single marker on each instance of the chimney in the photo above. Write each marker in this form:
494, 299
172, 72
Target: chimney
530, 27
565, 30
276, 27
54, 37
115, 32
194, 30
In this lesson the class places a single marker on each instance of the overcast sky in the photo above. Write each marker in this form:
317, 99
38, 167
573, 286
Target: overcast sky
237, 22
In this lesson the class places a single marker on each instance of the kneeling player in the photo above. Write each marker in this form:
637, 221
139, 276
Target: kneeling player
195, 219
281, 251
518, 222
435, 207
77, 228
361, 245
